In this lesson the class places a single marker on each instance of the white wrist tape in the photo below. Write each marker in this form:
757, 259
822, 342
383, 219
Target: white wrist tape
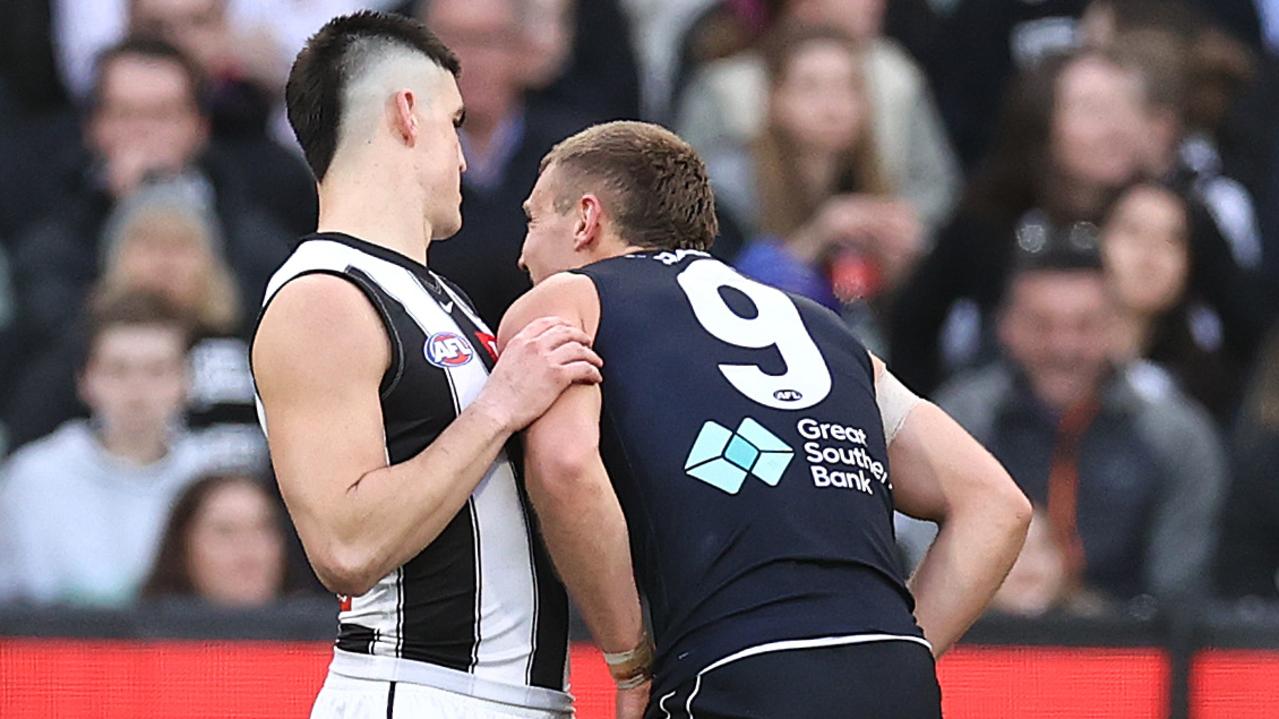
634, 667
895, 403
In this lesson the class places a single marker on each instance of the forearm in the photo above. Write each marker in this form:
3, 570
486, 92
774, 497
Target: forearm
943, 474
358, 518
578, 512
962, 570
391, 513
585, 533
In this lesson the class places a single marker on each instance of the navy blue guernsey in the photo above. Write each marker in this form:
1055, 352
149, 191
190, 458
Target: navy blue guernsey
741, 433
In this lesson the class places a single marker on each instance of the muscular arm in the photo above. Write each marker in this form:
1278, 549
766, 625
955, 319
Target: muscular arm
942, 474
318, 359
578, 511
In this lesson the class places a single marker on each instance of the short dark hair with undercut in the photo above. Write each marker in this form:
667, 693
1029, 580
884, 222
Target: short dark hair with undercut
657, 187
324, 68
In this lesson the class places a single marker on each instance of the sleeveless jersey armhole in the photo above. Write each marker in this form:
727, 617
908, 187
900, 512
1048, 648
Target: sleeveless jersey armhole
395, 370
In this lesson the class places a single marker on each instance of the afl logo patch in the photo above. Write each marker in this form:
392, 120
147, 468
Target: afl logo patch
446, 350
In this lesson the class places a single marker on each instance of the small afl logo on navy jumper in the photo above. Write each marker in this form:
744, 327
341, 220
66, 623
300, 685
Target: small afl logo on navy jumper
447, 349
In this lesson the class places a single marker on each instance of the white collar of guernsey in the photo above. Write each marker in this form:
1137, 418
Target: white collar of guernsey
642, 253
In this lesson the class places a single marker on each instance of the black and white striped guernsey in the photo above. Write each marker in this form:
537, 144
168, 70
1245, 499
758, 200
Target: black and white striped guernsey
479, 611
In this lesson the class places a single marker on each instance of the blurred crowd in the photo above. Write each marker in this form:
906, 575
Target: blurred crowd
1058, 219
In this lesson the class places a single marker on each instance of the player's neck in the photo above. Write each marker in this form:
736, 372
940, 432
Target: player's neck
365, 206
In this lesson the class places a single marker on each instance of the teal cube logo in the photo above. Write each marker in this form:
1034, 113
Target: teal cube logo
723, 458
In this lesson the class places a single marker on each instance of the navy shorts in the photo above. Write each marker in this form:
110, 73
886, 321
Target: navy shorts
870, 680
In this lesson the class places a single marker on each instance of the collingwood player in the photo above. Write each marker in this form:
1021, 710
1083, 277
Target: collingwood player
756, 452
387, 412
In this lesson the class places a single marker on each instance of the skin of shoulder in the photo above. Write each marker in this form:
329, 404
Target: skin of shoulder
319, 323
569, 296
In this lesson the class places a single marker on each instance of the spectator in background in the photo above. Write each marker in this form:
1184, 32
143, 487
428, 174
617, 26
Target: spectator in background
1067, 143
547, 33
660, 32
1248, 563
1191, 75
242, 91
271, 30
980, 48
713, 30
578, 54
223, 544
158, 240
726, 105
1129, 472
147, 122
984, 44
1187, 89
239, 97
503, 140
1146, 251
1218, 66
811, 189
277, 29
81, 510
988, 41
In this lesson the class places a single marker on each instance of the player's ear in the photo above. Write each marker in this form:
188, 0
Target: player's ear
403, 121
588, 229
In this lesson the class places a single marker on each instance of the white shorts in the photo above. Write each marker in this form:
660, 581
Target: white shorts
346, 697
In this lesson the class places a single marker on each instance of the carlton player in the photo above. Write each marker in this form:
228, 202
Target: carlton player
756, 452
386, 412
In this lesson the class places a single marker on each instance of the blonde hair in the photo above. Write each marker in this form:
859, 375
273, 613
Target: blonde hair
178, 213
784, 202
659, 185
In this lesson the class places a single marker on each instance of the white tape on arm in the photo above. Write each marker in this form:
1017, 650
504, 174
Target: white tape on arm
895, 403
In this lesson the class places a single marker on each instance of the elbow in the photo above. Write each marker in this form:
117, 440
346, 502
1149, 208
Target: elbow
1013, 507
1020, 512
346, 585
998, 504
563, 478
346, 570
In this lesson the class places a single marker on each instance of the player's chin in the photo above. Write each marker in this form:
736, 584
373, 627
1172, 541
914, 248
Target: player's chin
448, 227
